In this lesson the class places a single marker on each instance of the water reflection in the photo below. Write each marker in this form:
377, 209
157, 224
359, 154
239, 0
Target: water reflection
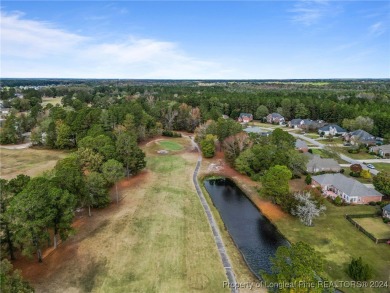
255, 236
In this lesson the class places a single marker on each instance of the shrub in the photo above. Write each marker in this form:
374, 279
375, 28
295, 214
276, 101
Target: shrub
354, 174
171, 133
308, 179
365, 174
358, 270
386, 220
338, 201
342, 171
372, 203
310, 151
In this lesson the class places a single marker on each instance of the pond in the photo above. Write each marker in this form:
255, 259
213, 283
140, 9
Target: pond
254, 235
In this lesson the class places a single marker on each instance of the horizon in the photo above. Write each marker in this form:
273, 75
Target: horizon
196, 40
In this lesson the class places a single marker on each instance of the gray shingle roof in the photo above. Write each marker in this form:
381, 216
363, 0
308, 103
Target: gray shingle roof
387, 208
348, 185
299, 144
246, 115
327, 127
362, 135
276, 115
317, 164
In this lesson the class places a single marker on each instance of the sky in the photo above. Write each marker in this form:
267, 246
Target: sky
195, 39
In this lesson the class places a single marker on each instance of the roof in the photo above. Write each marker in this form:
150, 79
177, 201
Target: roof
362, 135
384, 148
276, 115
349, 186
328, 127
300, 144
246, 115
387, 208
295, 121
317, 163
257, 130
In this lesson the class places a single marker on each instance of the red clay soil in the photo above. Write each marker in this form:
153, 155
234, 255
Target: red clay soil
54, 260
270, 210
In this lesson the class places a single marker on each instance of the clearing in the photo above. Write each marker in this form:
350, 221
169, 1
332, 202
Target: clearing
31, 162
170, 145
375, 226
156, 240
54, 101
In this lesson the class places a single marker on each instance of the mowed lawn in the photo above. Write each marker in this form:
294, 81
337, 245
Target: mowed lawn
375, 226
170, 145
29, 161
338, 241
383, 167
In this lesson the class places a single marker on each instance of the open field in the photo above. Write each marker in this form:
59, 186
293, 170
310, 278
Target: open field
375, 226
382, 167
53, 101
324, 154
31, 162
157, 239
338, 241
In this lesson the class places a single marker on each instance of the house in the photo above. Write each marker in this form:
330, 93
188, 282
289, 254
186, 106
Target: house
331, 129
318, 164
386, 211
301, 146
275, 118
360, 136
348, 189
257, 130
245, 117
382, 151
306, 124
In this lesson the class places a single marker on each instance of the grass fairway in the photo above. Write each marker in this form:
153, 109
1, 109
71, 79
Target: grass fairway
170, 145
375, 226
31, 162
338, 241
53, 101
157, 239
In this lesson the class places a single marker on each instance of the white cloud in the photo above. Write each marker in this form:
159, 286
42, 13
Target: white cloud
377, 29
309, 12
33, 48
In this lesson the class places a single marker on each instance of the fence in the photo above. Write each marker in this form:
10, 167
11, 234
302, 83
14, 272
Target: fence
360, 228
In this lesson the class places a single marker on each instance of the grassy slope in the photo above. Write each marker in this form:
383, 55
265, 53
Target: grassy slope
170, 145
31, 162
382, 167
339, 241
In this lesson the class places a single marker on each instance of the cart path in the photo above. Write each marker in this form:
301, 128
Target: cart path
216, 233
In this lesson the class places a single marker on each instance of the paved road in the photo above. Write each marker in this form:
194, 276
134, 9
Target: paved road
217, 235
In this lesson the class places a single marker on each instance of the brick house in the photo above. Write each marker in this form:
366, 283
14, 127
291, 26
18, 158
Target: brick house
245, 118
348, 189
275, 118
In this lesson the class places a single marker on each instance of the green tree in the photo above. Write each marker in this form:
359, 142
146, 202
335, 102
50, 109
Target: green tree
97, 194
275, 183
113, 172
301, 111
382, 182
358, 270
295, 264
261, 112
11, 281
9, 131
89, 159
226, 128
32, 214
207, 146
63, 204
64, 135
102, 144
17, 184
68, 175
5, 220
129, 153
282, 140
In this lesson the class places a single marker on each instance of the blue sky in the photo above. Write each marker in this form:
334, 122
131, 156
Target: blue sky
196, 39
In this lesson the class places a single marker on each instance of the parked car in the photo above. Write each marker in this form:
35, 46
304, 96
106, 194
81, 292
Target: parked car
371, 166
347, 144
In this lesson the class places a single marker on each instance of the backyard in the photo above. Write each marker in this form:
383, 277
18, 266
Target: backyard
375, 226
382, 167
338, 241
